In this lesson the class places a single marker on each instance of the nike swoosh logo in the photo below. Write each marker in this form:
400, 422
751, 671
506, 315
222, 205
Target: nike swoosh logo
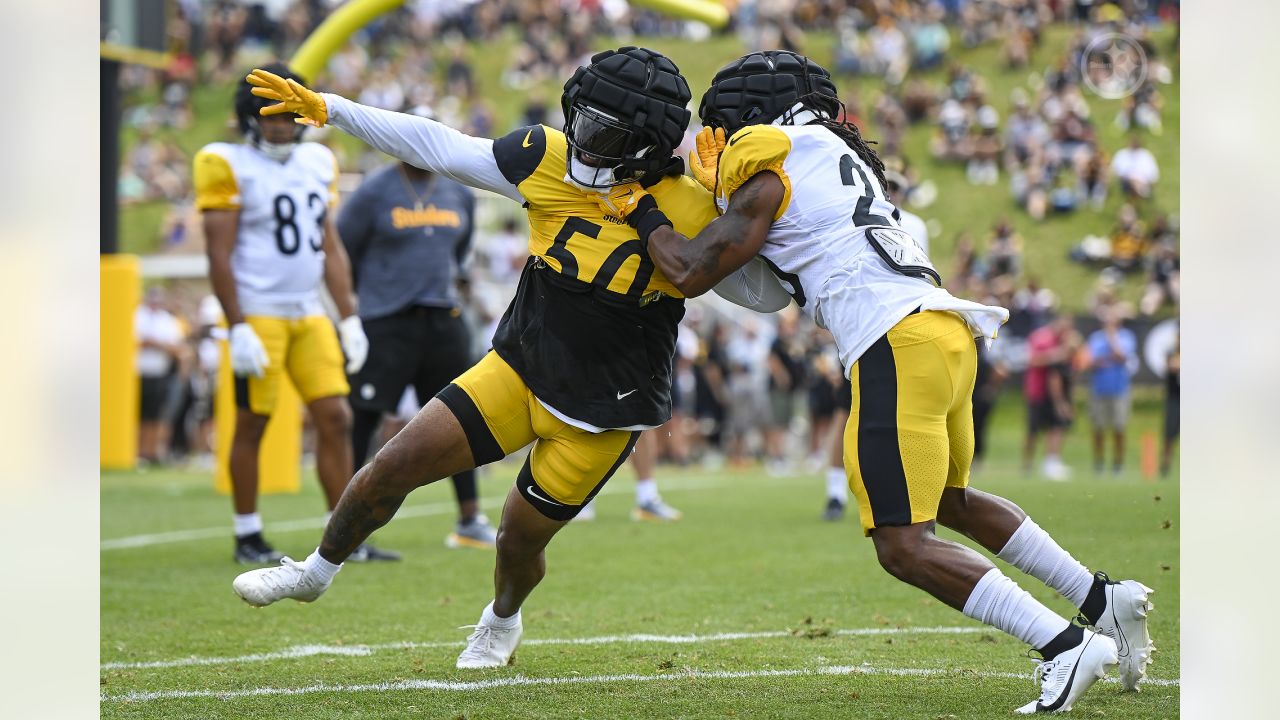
525, 142
545, 500
735, 140
624, 394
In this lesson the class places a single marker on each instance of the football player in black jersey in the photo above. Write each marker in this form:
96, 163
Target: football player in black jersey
582, 359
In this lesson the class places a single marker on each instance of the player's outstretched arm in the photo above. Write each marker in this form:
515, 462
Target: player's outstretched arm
418, 141
696, 265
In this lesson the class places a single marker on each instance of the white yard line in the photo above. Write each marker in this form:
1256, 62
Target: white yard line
313, 523
301, 651
520, 680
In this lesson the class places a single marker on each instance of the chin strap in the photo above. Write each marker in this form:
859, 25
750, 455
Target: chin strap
674, 167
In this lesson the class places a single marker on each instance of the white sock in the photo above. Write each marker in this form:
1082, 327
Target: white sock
647, 491
837, 485
248, 524
488, 617
999, 602
319, 567
1032, 551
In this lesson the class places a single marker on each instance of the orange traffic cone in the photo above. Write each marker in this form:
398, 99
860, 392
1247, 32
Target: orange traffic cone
1149, 461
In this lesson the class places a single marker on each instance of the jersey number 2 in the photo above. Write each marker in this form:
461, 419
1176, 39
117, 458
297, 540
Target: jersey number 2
288, 234
862, 211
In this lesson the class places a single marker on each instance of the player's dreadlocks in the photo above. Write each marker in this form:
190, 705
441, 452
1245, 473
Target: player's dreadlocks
846, 131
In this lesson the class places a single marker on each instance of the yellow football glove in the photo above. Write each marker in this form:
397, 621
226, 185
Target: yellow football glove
293, 97
637, 207
624, 200
704, 161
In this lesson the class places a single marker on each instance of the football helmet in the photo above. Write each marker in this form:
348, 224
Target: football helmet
770, 86
247, 106
624, 115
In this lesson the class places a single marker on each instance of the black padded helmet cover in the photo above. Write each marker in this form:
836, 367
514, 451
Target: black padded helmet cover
761, 87
644, 92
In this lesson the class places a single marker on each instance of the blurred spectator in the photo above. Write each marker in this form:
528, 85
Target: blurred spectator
929, 37
891, 121
1136, 170
1142, 110
986, 390
1046, 387
1172, 408
226, 25
1113, 357
1026, 132
786, 376
506, 252
1163, 283
983, 167
1004, 251
890, 55
153, 169
1128, 240
825, 378
160, 350
953, 131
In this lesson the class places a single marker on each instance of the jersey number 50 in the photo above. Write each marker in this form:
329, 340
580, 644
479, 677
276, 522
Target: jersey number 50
288, 233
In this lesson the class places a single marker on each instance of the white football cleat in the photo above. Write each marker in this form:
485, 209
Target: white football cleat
1066, 677
655, 511
489, 646
289, 579
1125, 622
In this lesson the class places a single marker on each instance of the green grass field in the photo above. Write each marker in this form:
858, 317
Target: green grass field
777, 614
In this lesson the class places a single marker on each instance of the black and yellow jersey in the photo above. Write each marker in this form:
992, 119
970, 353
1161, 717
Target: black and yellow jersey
572, 233
592, 328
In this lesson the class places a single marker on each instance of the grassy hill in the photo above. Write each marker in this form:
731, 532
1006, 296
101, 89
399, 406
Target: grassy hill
959, 206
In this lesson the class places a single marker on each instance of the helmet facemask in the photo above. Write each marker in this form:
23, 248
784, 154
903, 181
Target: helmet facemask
604, 151
625, 113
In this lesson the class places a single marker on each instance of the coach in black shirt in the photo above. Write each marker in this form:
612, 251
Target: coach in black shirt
408, 232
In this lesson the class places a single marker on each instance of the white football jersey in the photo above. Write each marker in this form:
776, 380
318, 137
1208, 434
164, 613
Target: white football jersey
278, 259
836, 239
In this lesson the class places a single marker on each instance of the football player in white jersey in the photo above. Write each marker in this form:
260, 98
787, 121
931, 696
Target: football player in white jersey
807, 194
266, 205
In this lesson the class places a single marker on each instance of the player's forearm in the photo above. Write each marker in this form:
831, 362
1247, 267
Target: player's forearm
337, 278
424, 143
224, 288
692, 264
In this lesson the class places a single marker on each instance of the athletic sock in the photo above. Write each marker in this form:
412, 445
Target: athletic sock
1065, 640
647, 491
837, 485
1095, 603
999, 602
247, 524
488, 617
1035, 553
319, 567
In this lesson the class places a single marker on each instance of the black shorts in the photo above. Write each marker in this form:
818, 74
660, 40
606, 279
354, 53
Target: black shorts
844, 398
822, 399
1172, 419
1042, 415
155, 397
420, 346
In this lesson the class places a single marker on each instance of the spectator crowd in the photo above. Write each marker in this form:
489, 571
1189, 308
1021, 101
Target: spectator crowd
748, 388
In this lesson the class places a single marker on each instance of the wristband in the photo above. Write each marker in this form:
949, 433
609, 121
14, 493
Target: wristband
649, 222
